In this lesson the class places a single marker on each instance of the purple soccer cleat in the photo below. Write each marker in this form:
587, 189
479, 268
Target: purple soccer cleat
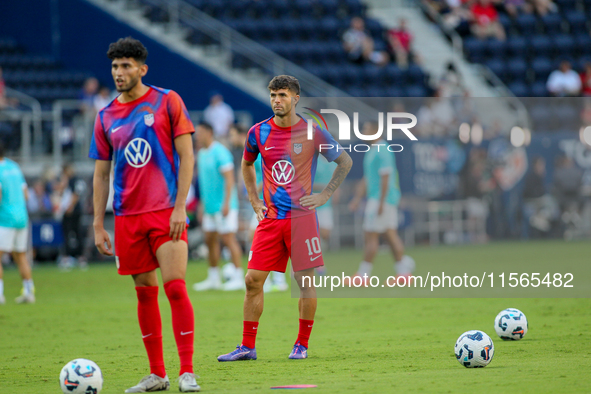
241, 353
299, 352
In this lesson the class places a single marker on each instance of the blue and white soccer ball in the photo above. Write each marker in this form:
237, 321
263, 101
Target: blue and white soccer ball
474, 349
81, 376
511, 324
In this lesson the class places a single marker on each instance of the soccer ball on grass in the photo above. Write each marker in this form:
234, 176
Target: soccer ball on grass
81, 376
511, 324
474, 349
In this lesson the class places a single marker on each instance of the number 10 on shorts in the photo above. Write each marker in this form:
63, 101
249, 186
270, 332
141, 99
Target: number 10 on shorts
313, 246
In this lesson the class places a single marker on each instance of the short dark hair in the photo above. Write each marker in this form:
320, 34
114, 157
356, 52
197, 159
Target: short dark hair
206, 126
241, 129
128, 47
285, 82
1, 150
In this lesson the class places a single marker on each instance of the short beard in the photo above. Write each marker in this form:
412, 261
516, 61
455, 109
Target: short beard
132, 84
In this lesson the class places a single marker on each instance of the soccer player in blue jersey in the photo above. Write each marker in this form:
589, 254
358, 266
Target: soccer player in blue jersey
14, 221
380, 185
146, 132
219, 202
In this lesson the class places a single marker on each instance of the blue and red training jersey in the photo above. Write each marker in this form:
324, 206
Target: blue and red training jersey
139, 136
289, 161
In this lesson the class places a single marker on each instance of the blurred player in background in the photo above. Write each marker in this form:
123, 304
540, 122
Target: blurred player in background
14, 220
146, 131
287, 224
219, 204
380, 185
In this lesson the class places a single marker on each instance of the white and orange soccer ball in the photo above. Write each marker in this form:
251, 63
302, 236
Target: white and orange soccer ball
81, 376
474, 349
511, 324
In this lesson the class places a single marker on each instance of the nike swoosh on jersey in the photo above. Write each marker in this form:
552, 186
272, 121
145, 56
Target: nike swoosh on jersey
145, 336
115, 129
314, 258
269, 147
186, 333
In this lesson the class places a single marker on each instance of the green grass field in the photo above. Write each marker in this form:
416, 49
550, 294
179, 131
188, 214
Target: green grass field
363, 345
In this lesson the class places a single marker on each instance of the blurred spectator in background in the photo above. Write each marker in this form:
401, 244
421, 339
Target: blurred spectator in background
473, 186
436, 117
516, 7
485, 21
567, 185
451, 83
89, 90
102, 99
236, 144
539, 208
39, 203
399, 43
72, 214
3, 100
586, 80
586, 112
542, 7
219, 115
360, 46
564, 81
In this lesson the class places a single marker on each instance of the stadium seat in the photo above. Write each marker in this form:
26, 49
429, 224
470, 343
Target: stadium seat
498, 66
577, 22
393, 75
541, 45
328, 7
496, 48
566, 6
416, 91
552, 23
564, 45
517, 46
475, 49
542, 67
371, 74
538, 89
583, 44
354, 7
520, 89
517, 69
526, 24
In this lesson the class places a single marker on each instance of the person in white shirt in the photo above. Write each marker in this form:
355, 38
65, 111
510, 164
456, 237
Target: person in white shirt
219, 115
564, 81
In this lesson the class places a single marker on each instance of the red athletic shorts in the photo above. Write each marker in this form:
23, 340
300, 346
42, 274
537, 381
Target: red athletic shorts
138, 237
276, 240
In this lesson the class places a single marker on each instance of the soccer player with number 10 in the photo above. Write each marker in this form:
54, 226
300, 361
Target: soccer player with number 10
288, 226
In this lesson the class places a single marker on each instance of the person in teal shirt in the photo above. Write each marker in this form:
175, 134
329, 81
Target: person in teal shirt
219, 206
14, 221
381, 188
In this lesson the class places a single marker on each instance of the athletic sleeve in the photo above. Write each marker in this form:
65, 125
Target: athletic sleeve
225, 161
179, 116
100, 148
386, 162
251, 148
326, 144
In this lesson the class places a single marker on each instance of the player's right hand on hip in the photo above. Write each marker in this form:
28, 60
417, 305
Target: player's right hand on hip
102, 241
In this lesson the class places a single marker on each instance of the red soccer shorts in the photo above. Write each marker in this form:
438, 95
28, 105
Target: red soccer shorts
276, 240
138, 237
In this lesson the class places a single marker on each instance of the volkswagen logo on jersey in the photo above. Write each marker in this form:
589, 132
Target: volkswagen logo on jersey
283, 172
297, 148
149, 119
138, 152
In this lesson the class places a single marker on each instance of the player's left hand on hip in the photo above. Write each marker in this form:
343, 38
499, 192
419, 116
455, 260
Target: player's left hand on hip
313, 201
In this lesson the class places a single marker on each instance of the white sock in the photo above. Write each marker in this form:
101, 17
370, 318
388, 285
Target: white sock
239, 274
28, 286
1, 287
213, 274
404, 266
365, 267
278, 278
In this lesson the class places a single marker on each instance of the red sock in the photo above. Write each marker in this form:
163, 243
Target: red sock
249, 333
148, 314
183, 322
304, 333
